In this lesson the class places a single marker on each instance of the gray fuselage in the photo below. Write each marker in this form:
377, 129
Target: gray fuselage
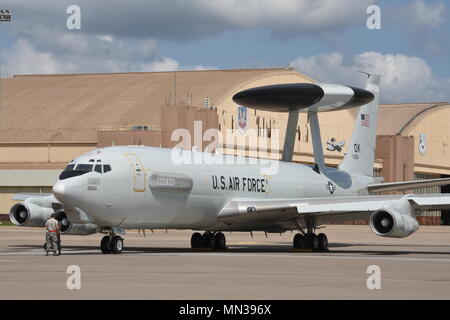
147, 188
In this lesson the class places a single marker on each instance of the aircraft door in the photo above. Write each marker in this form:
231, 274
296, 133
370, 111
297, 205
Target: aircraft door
137, 171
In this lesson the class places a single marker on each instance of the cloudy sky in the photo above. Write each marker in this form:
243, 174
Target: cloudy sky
325, 39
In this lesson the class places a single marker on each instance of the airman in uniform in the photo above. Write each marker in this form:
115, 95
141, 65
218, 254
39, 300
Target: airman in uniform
52, 235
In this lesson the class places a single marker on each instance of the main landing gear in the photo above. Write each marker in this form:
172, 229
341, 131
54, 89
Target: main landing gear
111, 244
309, 239
212, 240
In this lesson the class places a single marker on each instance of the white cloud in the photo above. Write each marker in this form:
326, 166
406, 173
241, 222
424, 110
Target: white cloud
43, 46
63, 41
106, 37
169, 64
200, 68
22, 58
423, 23
422, 14
166, 64
118, 56
288, 17
404, 78
181, 19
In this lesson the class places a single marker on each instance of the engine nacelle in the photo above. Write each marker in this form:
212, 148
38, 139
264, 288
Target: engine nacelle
29, 214
35, 211
78, 229
391, 223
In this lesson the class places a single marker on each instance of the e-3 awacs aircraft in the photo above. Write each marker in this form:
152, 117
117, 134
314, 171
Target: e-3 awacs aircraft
136, 187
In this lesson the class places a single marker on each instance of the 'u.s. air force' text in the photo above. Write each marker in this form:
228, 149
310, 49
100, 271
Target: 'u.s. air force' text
239, 183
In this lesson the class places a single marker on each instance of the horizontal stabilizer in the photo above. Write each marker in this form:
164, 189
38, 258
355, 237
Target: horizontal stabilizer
407, 185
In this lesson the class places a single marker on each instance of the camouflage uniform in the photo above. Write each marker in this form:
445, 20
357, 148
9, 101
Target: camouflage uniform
51, 237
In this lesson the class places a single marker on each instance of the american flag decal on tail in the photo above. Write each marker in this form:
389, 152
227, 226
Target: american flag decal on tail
365, 120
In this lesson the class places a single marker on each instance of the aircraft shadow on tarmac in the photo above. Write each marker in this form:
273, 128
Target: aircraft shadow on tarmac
334, 248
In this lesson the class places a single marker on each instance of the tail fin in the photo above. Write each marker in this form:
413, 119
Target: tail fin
361, 150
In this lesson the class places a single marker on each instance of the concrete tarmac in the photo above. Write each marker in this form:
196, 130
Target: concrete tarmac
162, 266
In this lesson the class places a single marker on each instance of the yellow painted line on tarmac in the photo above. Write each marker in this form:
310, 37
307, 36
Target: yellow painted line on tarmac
9, 260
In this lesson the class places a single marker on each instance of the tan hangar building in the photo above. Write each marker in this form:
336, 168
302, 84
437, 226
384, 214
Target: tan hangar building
47, 120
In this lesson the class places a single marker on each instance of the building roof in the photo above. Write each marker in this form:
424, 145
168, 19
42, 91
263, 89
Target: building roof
70, 107
393, 119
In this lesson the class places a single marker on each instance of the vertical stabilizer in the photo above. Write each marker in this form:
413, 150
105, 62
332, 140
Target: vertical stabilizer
361, 150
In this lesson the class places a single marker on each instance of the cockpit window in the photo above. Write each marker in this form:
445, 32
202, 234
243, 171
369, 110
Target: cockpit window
84, 167
69, 167
72, 171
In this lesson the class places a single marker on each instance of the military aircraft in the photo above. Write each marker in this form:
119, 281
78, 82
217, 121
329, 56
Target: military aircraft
137, 187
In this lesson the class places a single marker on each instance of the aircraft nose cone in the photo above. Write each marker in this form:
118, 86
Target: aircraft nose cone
59, 189
385, 223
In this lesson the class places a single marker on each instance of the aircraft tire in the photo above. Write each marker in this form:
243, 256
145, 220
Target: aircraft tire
299, 241
313, 242
116, 245
221, 241
196, 240
212, 242
105, 245
323, 242
206, 240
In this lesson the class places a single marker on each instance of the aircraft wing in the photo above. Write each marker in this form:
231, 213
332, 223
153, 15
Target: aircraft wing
24, 196
407, 185
326, 210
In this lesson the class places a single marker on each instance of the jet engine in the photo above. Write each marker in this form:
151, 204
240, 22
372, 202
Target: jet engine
30, 213
391, 223
79, 229
35, 211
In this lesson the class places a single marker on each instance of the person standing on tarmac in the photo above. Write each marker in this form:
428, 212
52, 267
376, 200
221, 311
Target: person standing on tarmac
59, 216
52, 235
